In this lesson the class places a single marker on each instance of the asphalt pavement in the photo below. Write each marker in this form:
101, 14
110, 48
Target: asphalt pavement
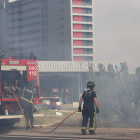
20, 133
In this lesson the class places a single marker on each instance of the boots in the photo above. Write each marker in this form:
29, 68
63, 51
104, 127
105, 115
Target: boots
27, 127
92, 132
32, 124
83, 132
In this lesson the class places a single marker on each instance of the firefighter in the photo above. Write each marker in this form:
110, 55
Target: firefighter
26, 100
89, 97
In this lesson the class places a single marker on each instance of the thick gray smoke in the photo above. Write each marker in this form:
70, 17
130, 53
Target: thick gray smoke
118, 94
116, 25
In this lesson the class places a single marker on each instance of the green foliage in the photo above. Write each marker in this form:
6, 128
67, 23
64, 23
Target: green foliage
116, 91
138, 70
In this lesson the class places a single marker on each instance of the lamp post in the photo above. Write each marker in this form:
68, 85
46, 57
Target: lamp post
80, 78
1, 57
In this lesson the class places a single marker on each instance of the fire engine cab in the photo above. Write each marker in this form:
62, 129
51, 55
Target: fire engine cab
10, 81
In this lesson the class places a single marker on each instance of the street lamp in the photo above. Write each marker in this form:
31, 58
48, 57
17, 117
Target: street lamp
80, 78
1, 57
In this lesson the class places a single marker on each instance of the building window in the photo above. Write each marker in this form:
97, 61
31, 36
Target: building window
45, 30
45, 53
44, 23
90, 58
62, 34
61, 2
25, 18
44, 15
62, 18
24, 26
62, 42
44, 38
62, 50
61, 10
45, 45
29, 39
26, 11
44, 7
11, 49
23, 4
62, 57
25, 33
24, 47
62, 26
44, 1
12, 42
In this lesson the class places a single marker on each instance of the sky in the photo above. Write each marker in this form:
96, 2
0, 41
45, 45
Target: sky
117, 31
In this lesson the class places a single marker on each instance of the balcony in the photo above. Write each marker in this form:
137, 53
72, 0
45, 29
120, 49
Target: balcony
81, 6
82, 3
83, 58
82, 35
82, 54
84, 28
82, 11
81, 51
82, 14
83, 39
82, 47
83, 43
82, 19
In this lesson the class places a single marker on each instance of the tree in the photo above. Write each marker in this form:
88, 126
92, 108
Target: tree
115, 91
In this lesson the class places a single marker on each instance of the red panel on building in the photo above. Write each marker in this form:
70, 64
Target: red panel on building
78, 51
77, 18
78, 26
78, 58
78, 35
78, 43
77, 2
77, 10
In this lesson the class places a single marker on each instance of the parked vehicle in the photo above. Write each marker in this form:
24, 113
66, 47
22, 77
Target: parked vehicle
52, 103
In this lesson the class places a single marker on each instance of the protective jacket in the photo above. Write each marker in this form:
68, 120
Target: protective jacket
88, 96
26, 101
88, 109
27, 92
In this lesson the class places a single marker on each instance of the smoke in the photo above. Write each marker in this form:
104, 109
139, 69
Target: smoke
118, 94
116, 26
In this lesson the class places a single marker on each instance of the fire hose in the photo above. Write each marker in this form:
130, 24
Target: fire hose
40, 131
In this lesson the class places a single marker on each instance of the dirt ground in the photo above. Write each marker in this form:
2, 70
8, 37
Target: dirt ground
118, 133
102, 133
75, 133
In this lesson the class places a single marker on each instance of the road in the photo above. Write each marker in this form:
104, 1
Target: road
39, 138
69, 133
20, 133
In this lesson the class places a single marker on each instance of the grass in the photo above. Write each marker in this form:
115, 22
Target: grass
73, 120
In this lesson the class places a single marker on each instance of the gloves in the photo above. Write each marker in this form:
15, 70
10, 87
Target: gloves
79, 109
21, 72
97, 110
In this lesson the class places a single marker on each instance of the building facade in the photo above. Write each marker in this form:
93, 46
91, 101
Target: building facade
55, 30
82, 30
26, 27
2, 39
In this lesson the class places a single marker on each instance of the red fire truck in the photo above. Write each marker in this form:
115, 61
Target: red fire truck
10, 80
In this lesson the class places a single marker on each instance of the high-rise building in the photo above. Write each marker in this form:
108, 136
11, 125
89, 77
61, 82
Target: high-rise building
2, 25
82, 30
55, 30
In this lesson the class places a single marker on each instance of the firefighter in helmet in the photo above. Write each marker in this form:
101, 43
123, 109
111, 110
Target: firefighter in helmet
26, 100
90, 98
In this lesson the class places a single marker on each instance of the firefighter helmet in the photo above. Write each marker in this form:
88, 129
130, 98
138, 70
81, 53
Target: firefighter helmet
90, 85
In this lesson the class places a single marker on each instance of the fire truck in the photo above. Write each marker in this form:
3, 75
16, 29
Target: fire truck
10, 81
